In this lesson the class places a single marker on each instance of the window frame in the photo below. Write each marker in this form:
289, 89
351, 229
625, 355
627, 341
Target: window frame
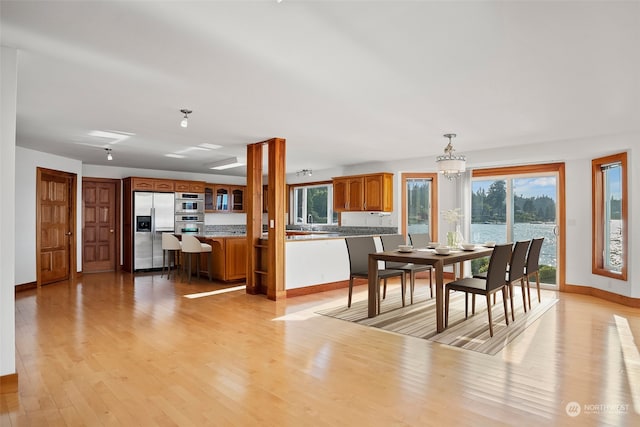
561, 221
598, 213
434, 217
293, 219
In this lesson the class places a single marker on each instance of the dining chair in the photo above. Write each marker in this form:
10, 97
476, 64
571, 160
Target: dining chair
515, 271
533, 265
359, 249
419, 240
172, 247
495, 281
391, 242
191, 246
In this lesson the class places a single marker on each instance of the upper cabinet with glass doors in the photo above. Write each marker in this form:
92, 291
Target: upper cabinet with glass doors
224, 198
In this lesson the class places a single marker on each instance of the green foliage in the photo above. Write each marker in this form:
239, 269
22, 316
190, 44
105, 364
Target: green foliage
317, 204
547, 274
490, 206
479, 265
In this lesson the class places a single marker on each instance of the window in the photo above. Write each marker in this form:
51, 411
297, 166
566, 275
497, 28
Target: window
420, 203
609, 186
313, 204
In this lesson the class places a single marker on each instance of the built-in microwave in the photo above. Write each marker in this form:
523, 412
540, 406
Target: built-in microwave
189, 206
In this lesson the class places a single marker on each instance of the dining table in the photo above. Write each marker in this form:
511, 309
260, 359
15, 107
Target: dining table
422, 256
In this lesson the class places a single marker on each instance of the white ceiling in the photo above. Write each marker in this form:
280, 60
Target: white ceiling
344, 82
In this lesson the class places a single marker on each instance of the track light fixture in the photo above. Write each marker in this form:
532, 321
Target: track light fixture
304, 172
185, 120
109, 156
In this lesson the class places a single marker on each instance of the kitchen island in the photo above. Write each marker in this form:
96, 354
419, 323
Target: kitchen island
229, 256
315, 261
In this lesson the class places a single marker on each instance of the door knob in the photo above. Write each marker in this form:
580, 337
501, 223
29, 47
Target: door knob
111, 231
68, 233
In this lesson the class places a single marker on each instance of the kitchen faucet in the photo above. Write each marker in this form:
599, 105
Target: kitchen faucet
310, 221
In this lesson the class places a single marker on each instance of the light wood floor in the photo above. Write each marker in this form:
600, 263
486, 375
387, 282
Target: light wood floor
123, 350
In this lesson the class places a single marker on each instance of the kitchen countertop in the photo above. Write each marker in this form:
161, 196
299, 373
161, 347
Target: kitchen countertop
291, 235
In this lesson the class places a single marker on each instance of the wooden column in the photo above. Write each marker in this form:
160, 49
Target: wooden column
253, 208
276, 223
271, 272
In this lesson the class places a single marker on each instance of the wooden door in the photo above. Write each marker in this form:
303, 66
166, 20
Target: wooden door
100, 226
55, 225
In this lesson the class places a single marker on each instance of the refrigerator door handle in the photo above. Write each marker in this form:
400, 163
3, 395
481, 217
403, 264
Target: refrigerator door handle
153, 220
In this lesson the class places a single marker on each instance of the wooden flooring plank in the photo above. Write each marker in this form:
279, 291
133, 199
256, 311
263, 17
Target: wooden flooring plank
122, 349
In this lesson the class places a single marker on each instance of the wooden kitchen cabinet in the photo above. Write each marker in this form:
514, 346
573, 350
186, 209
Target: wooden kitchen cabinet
208, 197
237, 198
378, 192
150, 184
229, 258
348, 194
166, 185
370, 192
189, 186
221, 198
196, 187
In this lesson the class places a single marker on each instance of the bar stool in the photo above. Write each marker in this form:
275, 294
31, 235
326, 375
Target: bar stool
190, 246
170, 246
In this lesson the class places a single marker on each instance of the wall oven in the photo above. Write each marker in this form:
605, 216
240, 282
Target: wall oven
190, 223
189, 203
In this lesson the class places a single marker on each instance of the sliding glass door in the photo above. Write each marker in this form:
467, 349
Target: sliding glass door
518, 206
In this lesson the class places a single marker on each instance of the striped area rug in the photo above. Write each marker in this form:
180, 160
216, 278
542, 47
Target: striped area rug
419, 319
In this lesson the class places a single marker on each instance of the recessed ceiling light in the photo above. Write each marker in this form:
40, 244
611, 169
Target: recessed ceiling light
229, 163
115, 136
210, 146
186, 150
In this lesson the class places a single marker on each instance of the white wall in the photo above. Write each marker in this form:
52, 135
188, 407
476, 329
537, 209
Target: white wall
26, 163
8, 91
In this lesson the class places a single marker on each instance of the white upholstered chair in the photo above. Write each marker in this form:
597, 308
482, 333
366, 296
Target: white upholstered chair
191, 246
172, 247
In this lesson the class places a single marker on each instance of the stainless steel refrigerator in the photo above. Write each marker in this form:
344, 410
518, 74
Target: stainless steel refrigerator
153, 215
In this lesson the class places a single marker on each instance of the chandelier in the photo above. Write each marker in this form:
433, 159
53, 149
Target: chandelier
451, 165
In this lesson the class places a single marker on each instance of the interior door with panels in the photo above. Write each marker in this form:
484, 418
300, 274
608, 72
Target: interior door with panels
100, 228
55, 225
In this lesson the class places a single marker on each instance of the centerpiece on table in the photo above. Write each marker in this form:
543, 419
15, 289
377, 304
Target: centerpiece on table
454, 236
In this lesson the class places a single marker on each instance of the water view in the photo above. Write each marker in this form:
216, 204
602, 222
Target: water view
481, 233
